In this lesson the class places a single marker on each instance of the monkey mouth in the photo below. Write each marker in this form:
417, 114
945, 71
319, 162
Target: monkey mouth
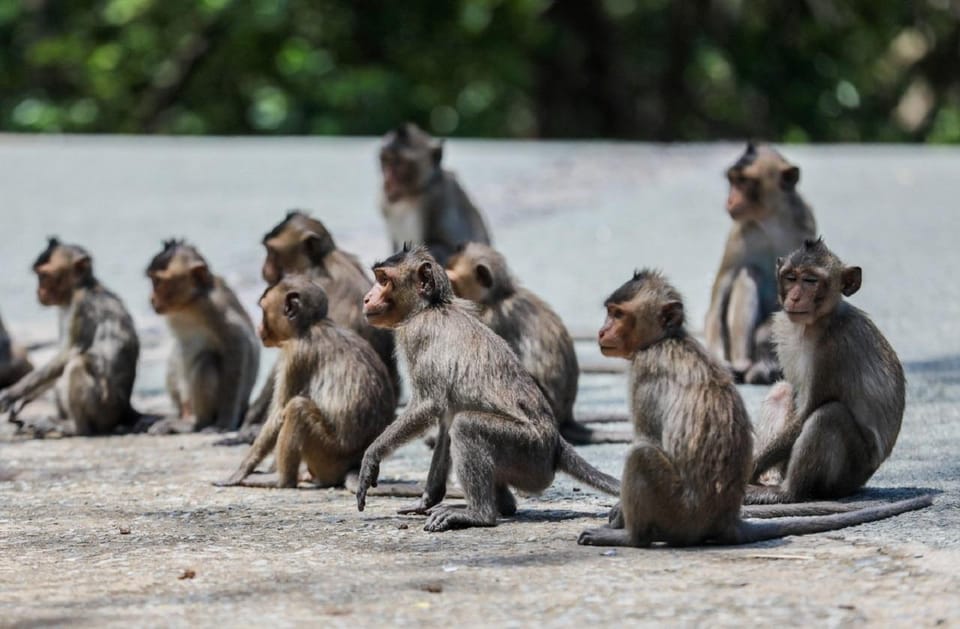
372, 312
796, 312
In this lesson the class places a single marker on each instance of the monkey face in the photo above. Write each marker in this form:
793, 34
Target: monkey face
744, 196
756, 179
808, 293
645, 310
274, 328
618, 335
58, 276
470, 280
379, 304
408, 158
400, 174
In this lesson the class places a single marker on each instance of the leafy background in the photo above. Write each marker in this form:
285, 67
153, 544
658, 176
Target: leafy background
810, 70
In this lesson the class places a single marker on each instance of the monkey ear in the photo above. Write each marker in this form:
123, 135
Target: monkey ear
436, 152
789, 177
426, 282
81, 266
291, 305
850, 279
671, 315
201, 275
779, 263
484, 276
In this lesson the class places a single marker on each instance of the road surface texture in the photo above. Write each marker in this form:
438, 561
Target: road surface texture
129, 530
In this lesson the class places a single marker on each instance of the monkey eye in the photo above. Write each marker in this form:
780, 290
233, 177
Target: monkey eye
790, 277
381, 277
810, 279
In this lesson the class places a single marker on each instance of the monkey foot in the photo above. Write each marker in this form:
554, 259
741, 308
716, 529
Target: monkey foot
443, 518
604, 537
420, 507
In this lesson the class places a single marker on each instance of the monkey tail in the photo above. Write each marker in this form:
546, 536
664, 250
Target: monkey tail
749, 531
569, 462
797, 509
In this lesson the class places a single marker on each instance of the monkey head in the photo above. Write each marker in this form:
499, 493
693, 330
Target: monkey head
479, 273
61, 269
297, 244
179, 275
756, 180
645, 310
405, 284
290, 308
409, 157
811, 281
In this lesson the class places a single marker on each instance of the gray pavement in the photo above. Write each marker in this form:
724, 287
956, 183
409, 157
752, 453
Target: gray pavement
574, 219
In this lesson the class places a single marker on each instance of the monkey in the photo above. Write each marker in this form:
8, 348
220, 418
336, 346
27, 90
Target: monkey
213, 366
770, 219
14, 363
686, 473
96, 364
302, 244
835, 418
532, 330
496, 428
332, 394
422, 202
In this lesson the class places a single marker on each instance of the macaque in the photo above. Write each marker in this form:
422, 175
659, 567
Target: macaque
94, 369
214, 362
686, 473
13, 359
332, 394
302, 244
531, 329
836, 417
422, 202
496, 428
770, 219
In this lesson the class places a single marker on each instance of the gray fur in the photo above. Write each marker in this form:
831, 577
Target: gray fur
13, 359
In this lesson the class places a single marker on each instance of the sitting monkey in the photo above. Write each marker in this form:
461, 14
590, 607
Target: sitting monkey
770, 219
96, 364
332, 396
422, 202
533, 331
213, 365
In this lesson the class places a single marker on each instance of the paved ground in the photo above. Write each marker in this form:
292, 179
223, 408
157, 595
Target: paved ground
96, 531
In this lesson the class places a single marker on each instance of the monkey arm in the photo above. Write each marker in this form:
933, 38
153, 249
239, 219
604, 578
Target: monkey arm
414, 421
36, 382
261, 447
776, 450
436, 488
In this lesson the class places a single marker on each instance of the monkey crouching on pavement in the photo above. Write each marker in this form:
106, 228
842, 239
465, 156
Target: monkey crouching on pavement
332, 395
686, 474
96, 364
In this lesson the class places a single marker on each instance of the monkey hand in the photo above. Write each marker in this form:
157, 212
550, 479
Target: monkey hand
369, 472
419, 507
234, 481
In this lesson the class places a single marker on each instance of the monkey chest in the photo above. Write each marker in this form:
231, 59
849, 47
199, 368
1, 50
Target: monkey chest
405, 221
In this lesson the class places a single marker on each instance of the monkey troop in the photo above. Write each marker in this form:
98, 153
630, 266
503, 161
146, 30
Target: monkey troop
493, 368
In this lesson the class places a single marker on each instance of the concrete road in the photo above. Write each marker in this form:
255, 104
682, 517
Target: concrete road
101, 530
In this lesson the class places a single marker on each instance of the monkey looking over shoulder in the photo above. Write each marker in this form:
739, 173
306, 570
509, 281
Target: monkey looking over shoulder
422, 202
214, 362
332, 394
685, 476
496, 426
770, 219
836, 417
96, 364
531, 329
13, 359
302, 244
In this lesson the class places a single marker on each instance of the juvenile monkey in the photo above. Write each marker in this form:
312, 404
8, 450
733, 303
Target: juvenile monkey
835, 419
422, 202
685, 476
13, 359
332, 394
96, 365
302, 244
770, 219
214, 362
531, 329
496, 426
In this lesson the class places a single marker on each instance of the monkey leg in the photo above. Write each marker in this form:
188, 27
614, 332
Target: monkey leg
486, 456
765, 368
713, 328
88, 399
742, 316
506, 503
307, 434
12, 371
829, 460
436, 488
777, 430
204, 390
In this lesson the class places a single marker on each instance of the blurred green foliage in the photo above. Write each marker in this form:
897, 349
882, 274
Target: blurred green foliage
817, 70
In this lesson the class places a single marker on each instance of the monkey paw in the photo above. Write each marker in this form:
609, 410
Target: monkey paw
604, 537
233, 481
369, 472
420, 507
443, 518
